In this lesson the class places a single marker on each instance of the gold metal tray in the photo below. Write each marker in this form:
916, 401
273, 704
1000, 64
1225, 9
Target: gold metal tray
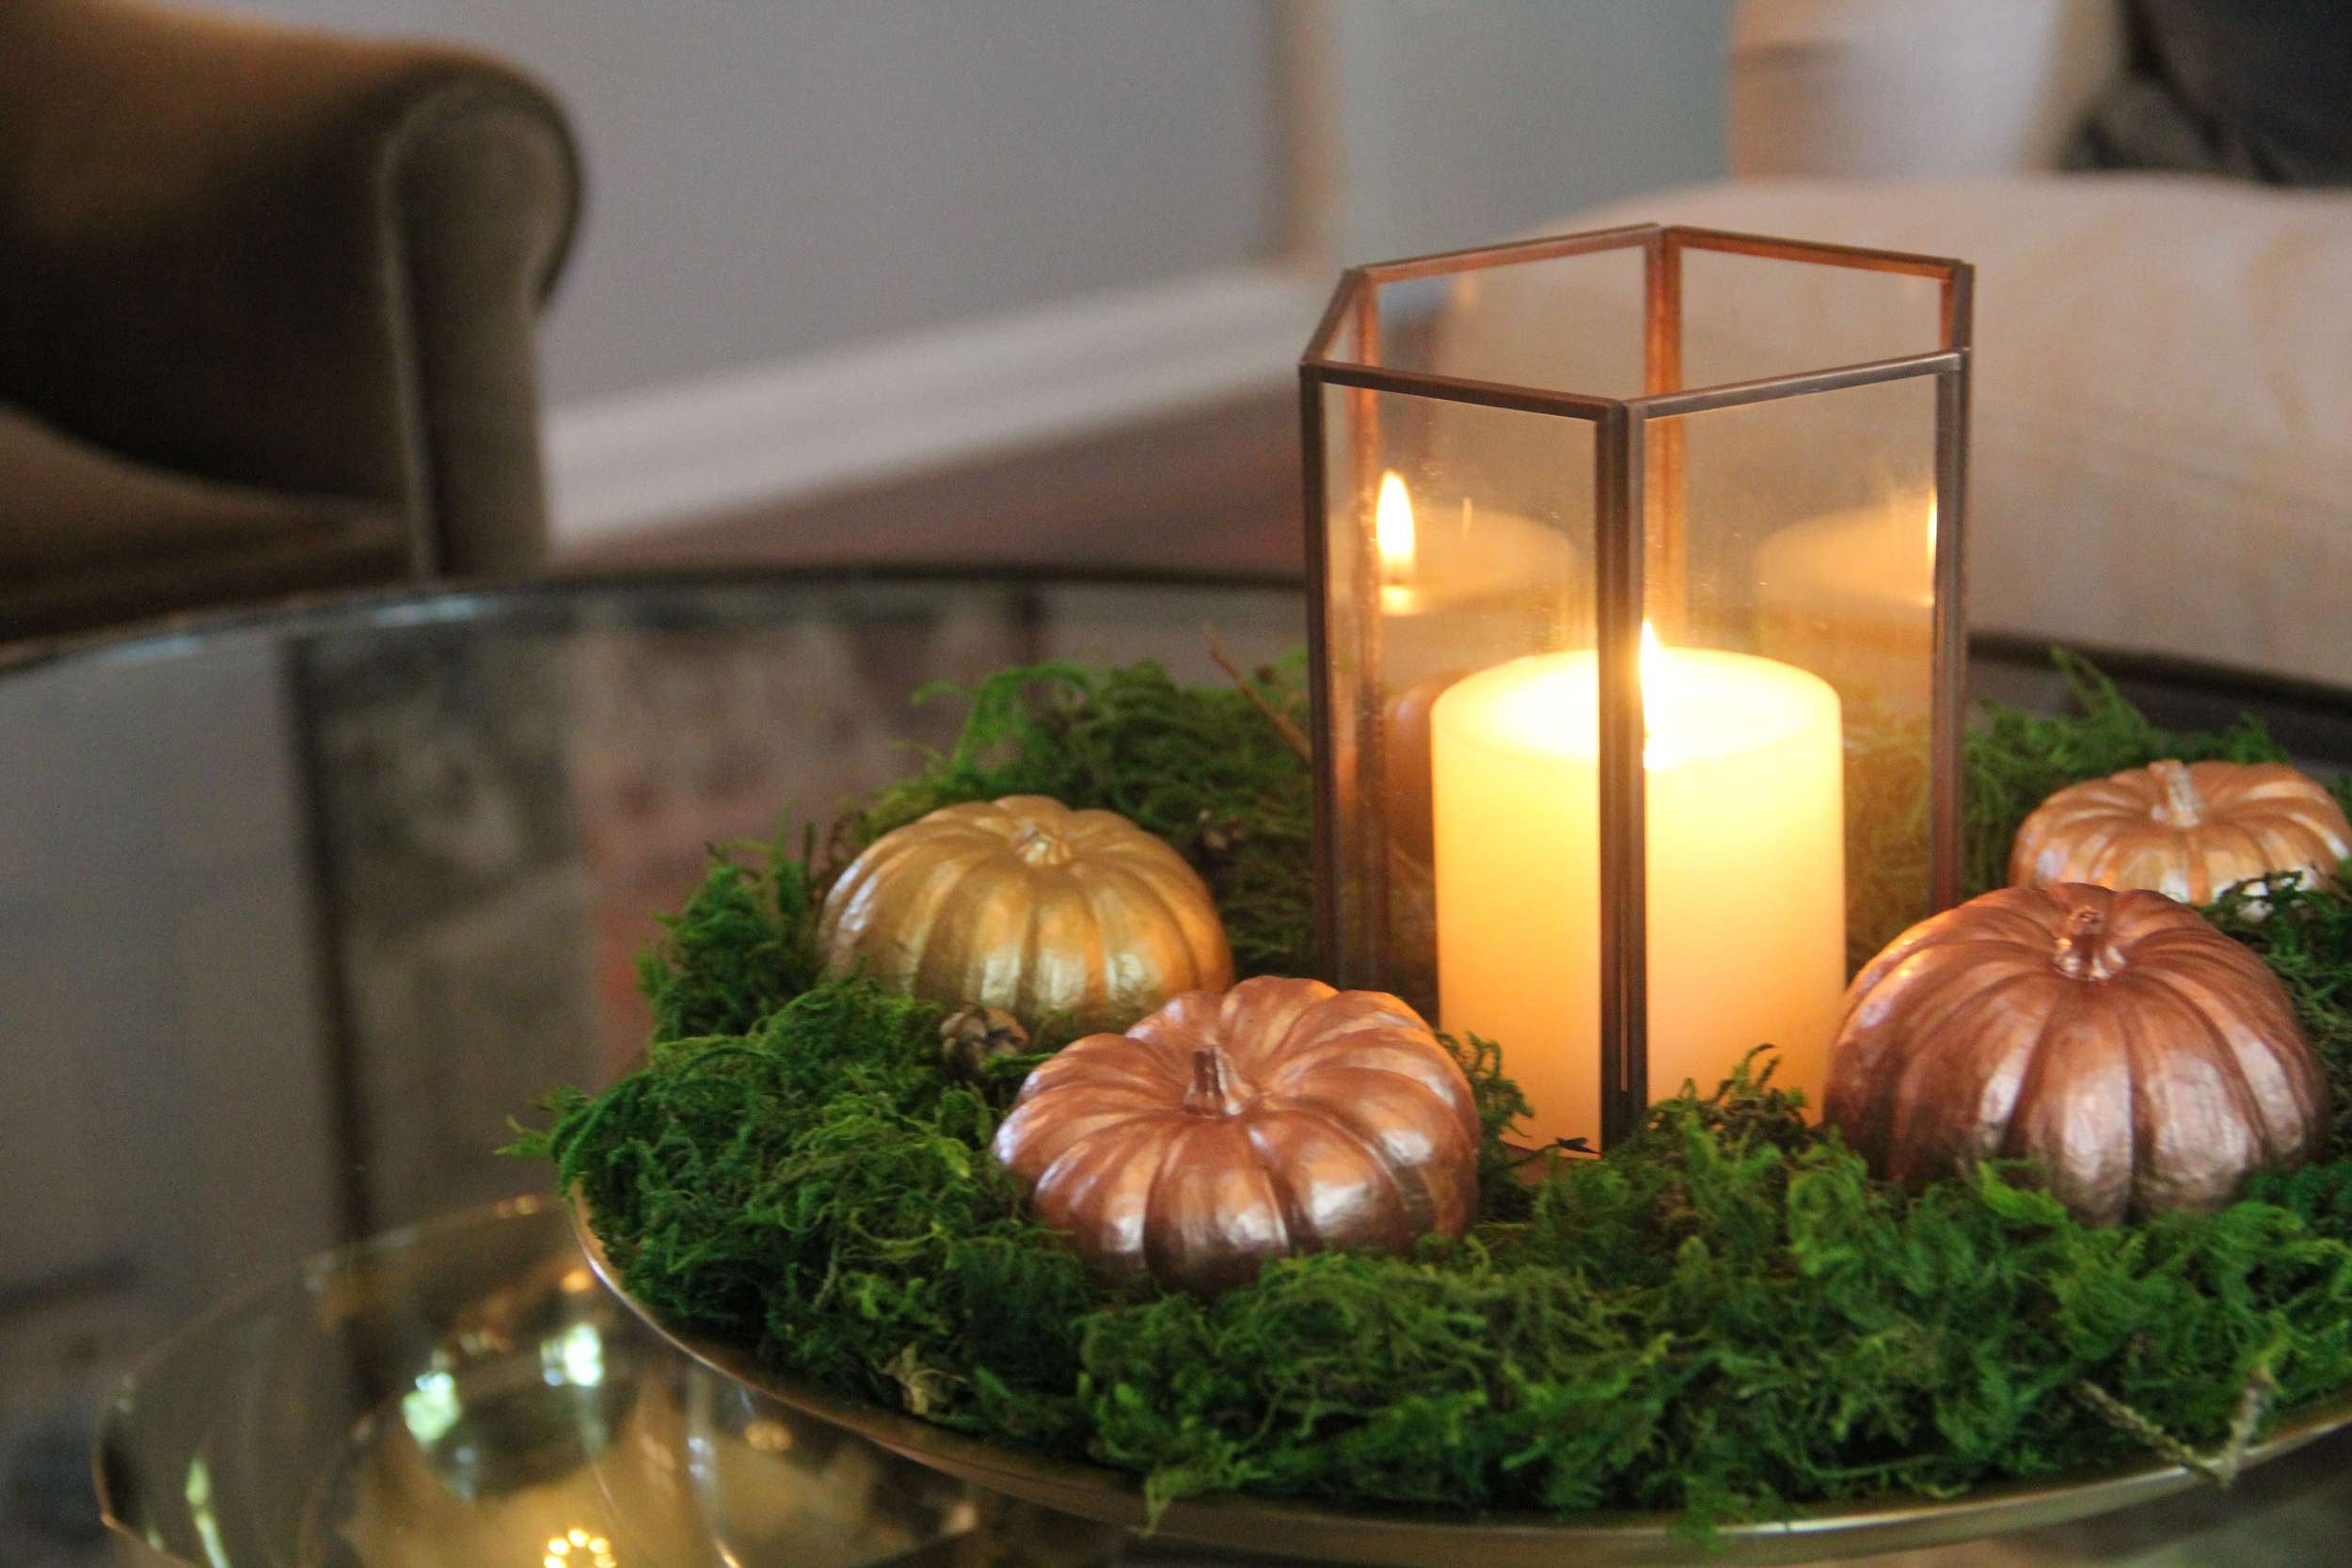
1398, 1536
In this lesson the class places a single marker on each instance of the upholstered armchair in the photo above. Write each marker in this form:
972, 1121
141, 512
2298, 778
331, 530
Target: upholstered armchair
268, 302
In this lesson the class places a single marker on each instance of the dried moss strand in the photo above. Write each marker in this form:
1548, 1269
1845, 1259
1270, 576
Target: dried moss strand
2221, 1466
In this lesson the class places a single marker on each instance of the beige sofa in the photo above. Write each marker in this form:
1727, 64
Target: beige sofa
2163, 412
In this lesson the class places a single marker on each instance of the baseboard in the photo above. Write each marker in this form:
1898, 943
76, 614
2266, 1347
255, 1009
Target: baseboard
830, 421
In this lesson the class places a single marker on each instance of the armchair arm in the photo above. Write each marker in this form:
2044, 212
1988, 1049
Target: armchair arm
1915, 86
282, 258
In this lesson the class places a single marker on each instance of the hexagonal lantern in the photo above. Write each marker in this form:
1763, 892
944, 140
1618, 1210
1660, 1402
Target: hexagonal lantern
1638, 645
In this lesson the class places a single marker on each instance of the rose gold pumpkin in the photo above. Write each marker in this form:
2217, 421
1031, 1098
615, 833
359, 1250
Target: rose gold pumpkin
1023, 905
1226, 1129
2185, 831
2144, 1060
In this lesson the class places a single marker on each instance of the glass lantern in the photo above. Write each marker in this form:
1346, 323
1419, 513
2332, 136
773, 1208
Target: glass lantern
1638, 645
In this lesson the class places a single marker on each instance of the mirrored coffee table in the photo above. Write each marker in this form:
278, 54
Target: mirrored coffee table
299, 907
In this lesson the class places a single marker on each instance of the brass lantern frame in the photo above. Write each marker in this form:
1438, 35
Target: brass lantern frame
1631, 460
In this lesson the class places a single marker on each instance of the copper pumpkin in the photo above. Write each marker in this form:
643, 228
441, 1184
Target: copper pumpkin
2187, 831
1226, 1130
2144, 1060
1023, 905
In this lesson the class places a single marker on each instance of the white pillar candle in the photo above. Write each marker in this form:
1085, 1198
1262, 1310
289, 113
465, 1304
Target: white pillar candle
1747, 885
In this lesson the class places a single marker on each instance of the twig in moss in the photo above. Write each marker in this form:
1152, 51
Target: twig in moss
2219, 1467
924, 1389
2252, 1406
1281, 721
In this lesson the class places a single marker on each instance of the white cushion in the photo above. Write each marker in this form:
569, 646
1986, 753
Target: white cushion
1915, 87
2162, 435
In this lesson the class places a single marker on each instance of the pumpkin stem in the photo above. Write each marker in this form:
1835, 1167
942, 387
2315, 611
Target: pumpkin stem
1037, 846
2083, 952
1213, 1088
2183, 806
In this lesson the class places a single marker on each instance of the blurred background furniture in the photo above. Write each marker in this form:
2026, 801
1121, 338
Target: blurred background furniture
2163, 413
267, 310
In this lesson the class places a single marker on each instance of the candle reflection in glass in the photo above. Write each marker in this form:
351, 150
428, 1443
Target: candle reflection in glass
1393, 535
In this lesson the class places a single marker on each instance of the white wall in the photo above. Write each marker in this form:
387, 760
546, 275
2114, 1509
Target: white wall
1462, 121
829, 240
774, 177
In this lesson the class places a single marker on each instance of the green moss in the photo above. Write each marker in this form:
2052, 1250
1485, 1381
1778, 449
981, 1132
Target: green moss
2305, 936
820, 1188
1727, 1319
1726, 1316
745, 943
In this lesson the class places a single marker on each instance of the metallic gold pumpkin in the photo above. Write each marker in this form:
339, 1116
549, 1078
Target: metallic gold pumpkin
2185, 831
1023, 905
1226, 1129
2144, 1060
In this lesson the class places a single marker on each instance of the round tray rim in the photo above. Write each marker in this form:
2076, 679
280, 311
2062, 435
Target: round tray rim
1395, 1536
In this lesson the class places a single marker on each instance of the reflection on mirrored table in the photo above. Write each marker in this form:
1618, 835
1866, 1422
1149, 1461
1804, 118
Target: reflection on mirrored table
299, 908
466, 1392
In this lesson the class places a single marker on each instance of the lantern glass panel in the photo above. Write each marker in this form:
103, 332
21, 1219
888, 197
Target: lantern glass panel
1507, 324
1745, 317
1800, 532
1573, 323
1445, 553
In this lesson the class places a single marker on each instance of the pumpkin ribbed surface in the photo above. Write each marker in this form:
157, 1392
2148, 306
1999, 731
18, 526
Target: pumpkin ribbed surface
2187, 831
1024, 905
1226, 1130
2142, 1059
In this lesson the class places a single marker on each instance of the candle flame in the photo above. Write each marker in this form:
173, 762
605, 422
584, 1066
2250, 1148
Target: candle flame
1651, 656
1392, 528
